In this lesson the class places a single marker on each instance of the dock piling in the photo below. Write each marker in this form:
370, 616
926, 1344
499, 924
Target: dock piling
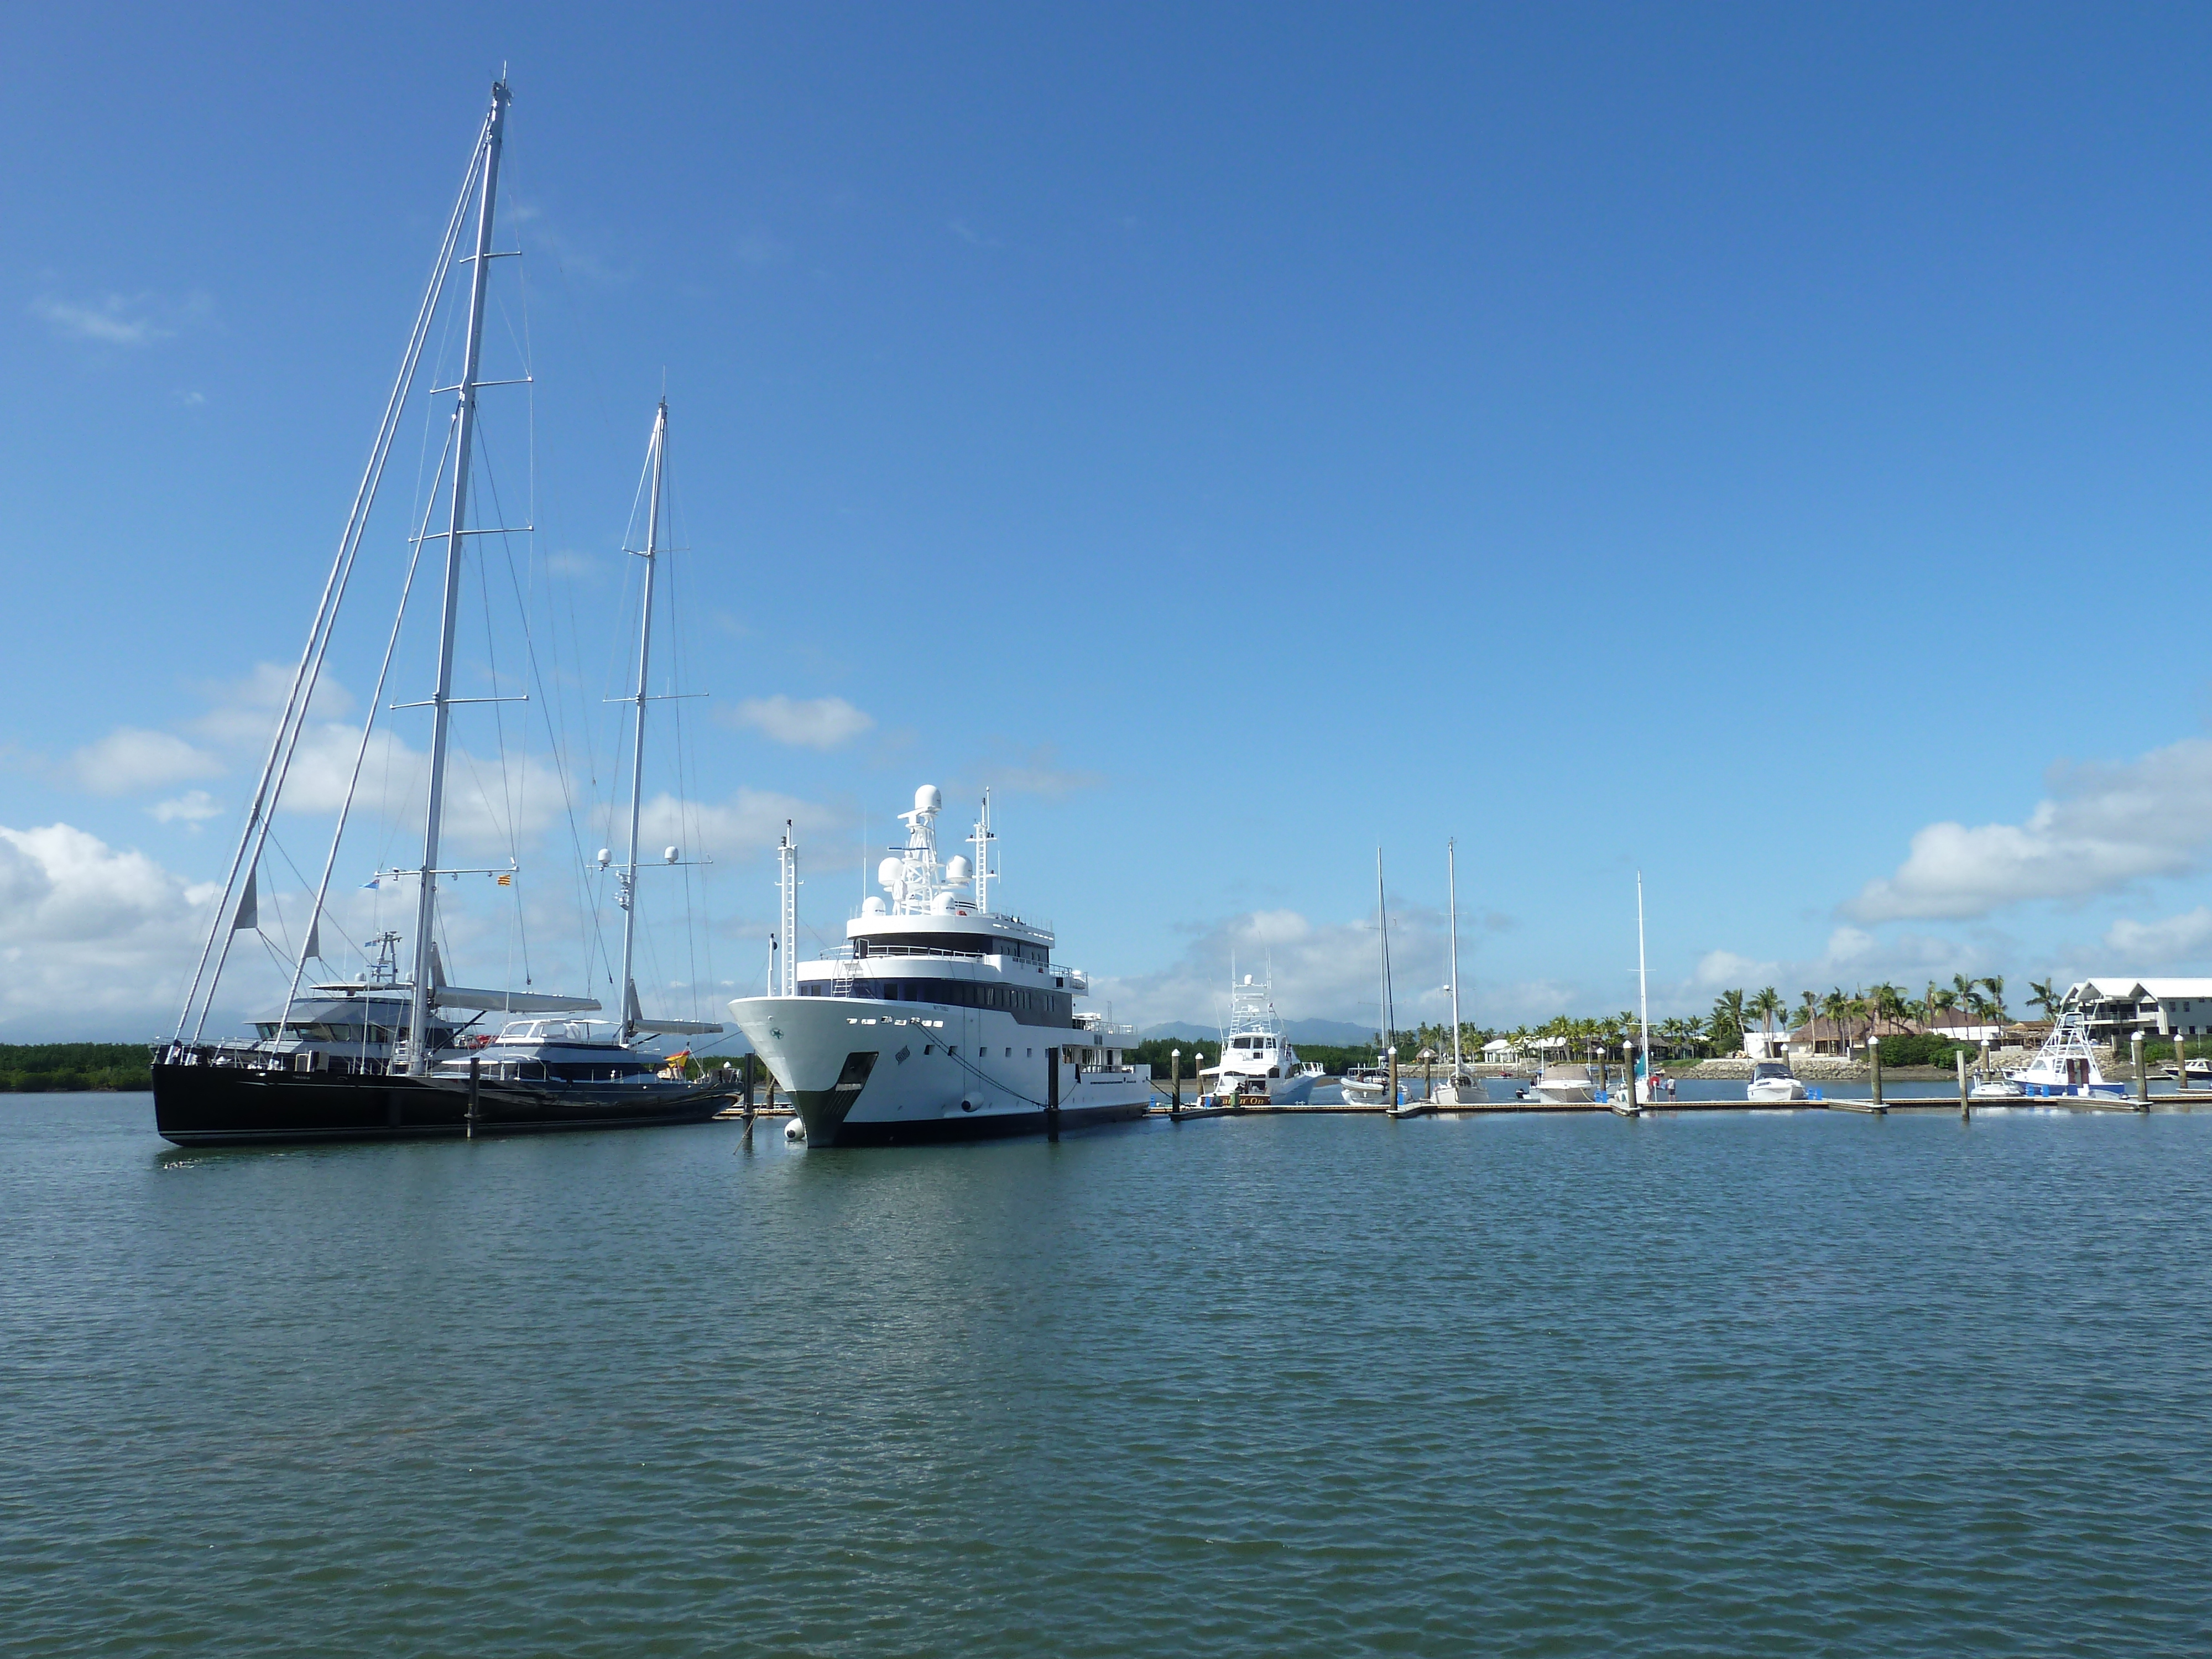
1966, 1099
1874, 1062
2142, 1076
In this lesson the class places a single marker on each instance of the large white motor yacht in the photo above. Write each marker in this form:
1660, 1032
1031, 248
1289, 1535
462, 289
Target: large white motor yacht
940, 1020
1259, 1066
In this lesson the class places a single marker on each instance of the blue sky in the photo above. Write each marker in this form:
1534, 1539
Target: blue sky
1763, 448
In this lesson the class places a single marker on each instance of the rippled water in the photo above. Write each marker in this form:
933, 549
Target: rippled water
1715, 1383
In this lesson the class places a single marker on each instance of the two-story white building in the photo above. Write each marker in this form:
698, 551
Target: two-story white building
2157, 1007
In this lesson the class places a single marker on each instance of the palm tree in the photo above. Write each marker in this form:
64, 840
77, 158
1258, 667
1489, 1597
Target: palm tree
1995, 982
1727, 1008
2041, 994
1694, 1032
1767, 1004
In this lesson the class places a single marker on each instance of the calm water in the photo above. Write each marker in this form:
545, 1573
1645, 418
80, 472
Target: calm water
1719, 1384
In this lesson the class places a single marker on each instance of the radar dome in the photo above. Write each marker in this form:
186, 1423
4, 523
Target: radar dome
941, 905
887, 875
955, 867
673, 853
872, 906
929, 798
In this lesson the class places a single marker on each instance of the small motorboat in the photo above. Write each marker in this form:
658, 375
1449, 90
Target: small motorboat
1995, 1088
1773, 1081
1369, 1085
1563, 1085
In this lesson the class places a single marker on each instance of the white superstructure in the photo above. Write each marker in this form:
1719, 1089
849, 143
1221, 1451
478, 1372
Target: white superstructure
939, 1019
1257, 1065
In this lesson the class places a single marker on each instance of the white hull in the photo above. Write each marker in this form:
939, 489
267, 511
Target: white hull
1566, 1094
1295, 1090
862, 1072
1775, 1091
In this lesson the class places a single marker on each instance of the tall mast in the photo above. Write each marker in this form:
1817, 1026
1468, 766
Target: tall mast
1643, 985
1382, 946
983, 838
464, 424
1451, 887
627, 881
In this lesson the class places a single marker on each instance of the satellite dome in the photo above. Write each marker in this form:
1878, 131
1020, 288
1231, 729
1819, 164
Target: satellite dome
941, 905
1247, 978
955, 867
929, 798
887, 875
673, 853
872, 906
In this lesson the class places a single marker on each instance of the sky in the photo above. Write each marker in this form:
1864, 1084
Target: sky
1764, 448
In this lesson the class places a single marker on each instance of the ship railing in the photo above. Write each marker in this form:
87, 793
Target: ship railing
266, 1057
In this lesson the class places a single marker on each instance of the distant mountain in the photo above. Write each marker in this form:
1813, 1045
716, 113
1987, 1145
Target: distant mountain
1335, 1032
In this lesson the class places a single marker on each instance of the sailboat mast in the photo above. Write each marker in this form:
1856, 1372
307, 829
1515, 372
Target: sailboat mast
464, 423
1383, 940
1451, 888
628, 895
1642, 984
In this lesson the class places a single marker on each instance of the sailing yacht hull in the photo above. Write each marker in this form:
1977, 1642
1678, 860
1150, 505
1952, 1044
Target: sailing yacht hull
226, 1105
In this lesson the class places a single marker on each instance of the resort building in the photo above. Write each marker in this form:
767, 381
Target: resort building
2157, 1007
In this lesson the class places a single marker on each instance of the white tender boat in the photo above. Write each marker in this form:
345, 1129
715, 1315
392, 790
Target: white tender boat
941, 1019
2065, 1067
1564, 1086
1773, 1081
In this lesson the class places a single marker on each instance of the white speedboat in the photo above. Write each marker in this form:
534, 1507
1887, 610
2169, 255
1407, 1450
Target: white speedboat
1773, 1081
2065, 1067
1995, 1088
1563, 1085
941, 1019
1259, 1066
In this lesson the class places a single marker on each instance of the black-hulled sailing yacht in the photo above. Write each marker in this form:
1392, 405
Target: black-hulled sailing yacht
386, 1055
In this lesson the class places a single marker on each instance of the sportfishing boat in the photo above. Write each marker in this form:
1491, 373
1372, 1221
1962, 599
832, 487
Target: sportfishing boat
940, 1020
1772, 1081
1259, 1066
2065, 1067
383, 1055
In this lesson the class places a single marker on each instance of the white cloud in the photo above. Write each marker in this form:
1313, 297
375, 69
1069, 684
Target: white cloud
129, 759
750, 822
193, 807
120, 319
2186, 938
91, 938
1320, 970
2103, 825
815, 723
1037, 773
